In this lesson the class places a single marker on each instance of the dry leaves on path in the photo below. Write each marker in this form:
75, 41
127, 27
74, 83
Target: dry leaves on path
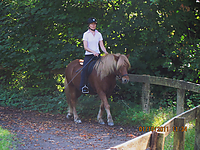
36, 130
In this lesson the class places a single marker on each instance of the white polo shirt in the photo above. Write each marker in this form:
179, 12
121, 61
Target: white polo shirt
93, 41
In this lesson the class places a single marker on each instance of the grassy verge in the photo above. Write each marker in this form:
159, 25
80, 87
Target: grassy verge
164, 115
6, 139
189, 138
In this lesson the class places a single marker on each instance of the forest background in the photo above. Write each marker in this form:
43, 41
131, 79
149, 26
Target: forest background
40, 37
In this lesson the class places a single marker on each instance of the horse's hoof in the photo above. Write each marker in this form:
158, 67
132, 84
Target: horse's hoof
101, 121
69, 116
110, 123
78, 121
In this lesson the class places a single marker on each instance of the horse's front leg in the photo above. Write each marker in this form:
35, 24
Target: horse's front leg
76, 118
104, 100
70, 112
100, 114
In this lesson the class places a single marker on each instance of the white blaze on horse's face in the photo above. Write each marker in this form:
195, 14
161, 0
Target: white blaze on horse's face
122, 67
125, 79
123, 75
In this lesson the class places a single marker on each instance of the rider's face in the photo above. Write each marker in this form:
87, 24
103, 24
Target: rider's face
93, 26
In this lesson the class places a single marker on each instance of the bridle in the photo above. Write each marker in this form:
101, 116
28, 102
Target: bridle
121, 76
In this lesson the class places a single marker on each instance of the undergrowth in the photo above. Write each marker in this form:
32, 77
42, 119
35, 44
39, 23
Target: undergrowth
28, 100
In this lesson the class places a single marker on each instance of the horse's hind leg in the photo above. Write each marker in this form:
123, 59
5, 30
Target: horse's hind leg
73, 106
71, 94
72, 101
68, 96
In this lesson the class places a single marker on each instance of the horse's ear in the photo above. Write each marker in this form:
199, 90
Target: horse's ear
116, 57
128, 55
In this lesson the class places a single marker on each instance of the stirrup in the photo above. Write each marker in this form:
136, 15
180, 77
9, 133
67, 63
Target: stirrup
85, 89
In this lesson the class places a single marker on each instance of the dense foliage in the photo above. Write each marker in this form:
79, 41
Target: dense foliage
161, 36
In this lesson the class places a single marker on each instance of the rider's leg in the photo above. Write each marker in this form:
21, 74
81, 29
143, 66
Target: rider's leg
84, 75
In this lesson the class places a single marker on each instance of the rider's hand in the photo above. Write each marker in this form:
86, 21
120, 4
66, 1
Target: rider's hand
96, 54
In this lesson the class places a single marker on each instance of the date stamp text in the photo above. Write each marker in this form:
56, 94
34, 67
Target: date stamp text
162, 129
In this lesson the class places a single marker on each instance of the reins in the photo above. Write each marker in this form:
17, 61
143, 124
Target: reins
79, 71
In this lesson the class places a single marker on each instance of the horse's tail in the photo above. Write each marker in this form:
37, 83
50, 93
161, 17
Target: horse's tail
67, 92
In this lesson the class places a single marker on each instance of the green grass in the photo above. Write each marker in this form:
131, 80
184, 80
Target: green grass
189, 138
163, 115
6, 139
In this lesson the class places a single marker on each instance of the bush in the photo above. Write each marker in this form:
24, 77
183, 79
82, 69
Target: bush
28, 99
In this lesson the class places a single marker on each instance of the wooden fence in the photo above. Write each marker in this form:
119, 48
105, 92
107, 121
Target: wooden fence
155, 139
180, 85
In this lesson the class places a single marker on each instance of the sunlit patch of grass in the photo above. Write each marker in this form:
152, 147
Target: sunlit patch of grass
6, 139
162, 115
189, 138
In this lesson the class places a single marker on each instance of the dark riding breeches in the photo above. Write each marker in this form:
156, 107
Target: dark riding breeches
84, 77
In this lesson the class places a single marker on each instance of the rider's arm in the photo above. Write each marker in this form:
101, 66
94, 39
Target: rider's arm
85, 44
103, 47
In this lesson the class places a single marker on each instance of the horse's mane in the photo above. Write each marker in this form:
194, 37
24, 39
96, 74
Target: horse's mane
110, 63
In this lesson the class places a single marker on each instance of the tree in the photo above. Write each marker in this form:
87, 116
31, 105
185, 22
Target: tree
40, 36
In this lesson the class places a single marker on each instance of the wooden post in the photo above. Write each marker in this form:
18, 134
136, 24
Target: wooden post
154, 136
179, 134
180, 101
197, 130
145, 97
160, 141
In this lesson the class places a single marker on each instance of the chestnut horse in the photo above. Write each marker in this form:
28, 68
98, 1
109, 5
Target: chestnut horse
102, 80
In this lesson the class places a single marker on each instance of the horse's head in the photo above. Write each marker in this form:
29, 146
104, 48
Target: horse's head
117, 64
123, 65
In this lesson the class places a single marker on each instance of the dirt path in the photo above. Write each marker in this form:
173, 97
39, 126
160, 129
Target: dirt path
36, 130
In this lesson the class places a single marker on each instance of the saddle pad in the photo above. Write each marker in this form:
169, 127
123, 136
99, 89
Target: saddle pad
81, 62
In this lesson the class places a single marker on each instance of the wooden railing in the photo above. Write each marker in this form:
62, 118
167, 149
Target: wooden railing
155, 139
180, 85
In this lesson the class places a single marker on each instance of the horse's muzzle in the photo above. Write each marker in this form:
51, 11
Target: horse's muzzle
125, 80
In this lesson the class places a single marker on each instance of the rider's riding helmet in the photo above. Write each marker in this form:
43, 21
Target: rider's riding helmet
91, 20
